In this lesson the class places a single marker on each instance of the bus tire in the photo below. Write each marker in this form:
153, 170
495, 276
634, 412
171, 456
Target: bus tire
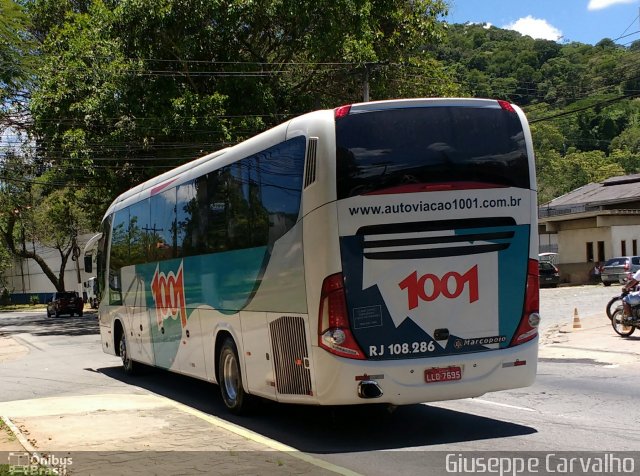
129, 366
230, 378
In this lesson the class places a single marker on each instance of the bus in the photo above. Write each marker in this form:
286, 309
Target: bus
380, 252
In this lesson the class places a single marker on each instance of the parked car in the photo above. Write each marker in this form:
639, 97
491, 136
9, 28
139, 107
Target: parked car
549, 274
65, 303
618, 270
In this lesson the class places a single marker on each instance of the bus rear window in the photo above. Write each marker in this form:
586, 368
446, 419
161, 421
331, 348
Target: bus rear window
385, 149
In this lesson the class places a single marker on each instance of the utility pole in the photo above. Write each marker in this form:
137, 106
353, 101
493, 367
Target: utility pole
75, 256
365, 84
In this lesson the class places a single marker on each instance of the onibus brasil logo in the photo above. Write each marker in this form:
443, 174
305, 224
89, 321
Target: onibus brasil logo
168, 293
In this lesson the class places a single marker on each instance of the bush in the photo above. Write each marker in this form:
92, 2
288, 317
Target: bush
34, 300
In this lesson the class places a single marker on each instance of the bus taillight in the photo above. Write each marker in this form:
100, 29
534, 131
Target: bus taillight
341, 111
528, 327
506, 106
334, 332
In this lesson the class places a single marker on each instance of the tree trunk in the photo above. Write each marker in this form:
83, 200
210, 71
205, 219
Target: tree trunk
22, 252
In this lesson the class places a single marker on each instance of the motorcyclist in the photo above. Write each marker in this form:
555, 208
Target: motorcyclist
633, 297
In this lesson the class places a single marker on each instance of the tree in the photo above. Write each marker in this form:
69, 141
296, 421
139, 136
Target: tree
129, 89
17, 62
124, 90
576, 169
628, 139
628, 160
54, 220
58, 221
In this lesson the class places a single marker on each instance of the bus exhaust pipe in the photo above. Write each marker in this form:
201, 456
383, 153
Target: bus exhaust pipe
369, 389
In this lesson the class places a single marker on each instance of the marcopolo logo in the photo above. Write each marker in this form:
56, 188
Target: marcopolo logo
429, 286
460, 343
168, 293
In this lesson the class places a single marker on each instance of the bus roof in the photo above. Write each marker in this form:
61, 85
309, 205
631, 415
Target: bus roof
267, 138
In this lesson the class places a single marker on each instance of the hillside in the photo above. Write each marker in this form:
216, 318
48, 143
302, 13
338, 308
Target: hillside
580, 99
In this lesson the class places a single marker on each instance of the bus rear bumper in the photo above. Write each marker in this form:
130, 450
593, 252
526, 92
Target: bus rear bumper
346, 381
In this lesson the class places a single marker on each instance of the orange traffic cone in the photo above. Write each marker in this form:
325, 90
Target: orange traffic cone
576, 319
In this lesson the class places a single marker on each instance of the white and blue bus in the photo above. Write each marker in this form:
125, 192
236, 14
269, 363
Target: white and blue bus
383, 252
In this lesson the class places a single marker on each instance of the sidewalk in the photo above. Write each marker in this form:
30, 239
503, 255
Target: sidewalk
595, 340
150, 434
146, 434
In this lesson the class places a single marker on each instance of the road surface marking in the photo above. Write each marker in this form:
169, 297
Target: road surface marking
488, 402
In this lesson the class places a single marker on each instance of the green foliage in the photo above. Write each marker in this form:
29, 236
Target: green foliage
17, 62
124, 90
33, 213
58, 220
129, 89
579, 98
560, 174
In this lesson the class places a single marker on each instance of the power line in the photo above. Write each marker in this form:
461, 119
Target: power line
573, 111
627, 28
625, 36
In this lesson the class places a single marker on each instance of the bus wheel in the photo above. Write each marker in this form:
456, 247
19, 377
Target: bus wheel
230, 378
128, 365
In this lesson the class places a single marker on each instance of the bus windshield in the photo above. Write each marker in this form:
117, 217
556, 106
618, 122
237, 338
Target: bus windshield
386, 149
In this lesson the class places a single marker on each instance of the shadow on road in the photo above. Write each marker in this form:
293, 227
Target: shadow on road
41, 325
322, 430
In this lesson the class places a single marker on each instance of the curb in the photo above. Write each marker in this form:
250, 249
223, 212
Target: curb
26, 444
216, 424
34, 455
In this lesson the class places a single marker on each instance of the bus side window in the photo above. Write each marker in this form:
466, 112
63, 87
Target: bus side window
281, 169
139, 232
119, 254
101, 257
185, 226
162, 234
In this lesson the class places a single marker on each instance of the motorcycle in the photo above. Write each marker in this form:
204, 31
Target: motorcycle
624, 326
613, 302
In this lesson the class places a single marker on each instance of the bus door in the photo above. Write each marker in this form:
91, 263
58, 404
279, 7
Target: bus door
138, 323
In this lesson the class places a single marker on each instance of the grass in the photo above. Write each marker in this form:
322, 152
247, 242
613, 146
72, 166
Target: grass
5, 429
4, 468
23, 307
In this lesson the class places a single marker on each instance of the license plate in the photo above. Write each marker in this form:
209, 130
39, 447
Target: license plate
442, 374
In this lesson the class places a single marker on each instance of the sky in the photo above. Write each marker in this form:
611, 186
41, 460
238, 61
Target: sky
585, 21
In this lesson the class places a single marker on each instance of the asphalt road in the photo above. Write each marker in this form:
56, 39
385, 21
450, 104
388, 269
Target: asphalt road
62, 356
575, 405
558, 304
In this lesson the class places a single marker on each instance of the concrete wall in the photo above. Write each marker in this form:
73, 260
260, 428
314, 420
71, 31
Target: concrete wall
628, 234
575, 273
572, 244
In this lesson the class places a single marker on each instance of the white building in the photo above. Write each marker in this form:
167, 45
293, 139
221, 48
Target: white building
25, 278
592, 224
